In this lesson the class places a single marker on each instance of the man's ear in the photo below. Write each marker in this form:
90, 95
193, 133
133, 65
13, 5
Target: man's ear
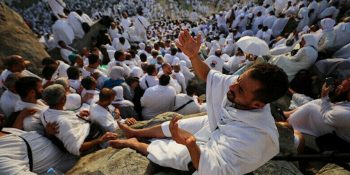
258, 105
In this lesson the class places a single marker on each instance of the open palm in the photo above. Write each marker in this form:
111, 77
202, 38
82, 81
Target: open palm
189, 45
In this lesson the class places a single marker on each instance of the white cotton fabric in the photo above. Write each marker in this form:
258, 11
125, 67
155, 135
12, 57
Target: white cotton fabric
8, 102
225, 148
32, 122
72, 130
14, 156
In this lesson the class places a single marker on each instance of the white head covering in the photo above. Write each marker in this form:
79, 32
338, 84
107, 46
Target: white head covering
327, 24
73, 102
117, 73
119, 99
142, 46
310, 40
136, 72
119, 93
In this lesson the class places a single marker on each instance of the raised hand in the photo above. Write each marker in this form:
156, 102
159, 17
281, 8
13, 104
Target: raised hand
189, 45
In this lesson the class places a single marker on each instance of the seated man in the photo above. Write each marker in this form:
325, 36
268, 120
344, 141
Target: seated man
158, 99
75, 132
15, 157
238, 135
103, 113
325, 115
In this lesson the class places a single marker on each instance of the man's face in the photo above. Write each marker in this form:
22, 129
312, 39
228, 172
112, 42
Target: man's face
242, 92
20, 66
39, 90
344, 88
2, 121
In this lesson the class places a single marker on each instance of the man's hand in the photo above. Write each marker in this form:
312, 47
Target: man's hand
87, 97
52, 129
27, 112
84, 113
130, 121
179, 135
108, 136
189, 45
325, 90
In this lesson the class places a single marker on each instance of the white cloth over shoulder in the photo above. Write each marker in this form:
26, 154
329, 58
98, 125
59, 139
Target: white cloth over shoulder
14, 156
72, 130
231, 141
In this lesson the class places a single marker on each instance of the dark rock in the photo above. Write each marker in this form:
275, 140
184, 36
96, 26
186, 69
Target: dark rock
18, 39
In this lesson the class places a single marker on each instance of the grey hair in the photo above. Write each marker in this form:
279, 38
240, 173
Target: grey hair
11, 79
53, 94
62, 82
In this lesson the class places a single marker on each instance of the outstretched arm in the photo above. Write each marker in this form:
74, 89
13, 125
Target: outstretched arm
190, 46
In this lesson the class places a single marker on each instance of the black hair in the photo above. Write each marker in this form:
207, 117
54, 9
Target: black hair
273, 79
87, 82
150, 69
118, 54
93, 58
48, 72
26, 84
73, 73
48, 61
143, 57
164, 80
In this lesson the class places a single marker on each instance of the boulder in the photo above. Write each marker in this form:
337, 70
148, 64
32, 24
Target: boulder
333, 169
127, 161
17, 38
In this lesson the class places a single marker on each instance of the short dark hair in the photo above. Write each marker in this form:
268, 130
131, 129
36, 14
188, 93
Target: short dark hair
26, 84
48, 72
118, 54
106, 93
48, 61
93, 58
273, 79
164, 80
87, 82
150, 69
73, 73
191, 89
143, 57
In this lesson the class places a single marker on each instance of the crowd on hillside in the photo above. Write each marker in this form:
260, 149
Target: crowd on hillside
145, 64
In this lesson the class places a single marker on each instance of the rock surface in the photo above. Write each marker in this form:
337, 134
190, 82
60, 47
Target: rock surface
17, 38
333, 169
126, 161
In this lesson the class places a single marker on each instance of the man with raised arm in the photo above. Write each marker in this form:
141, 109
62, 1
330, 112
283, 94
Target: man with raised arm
236, 137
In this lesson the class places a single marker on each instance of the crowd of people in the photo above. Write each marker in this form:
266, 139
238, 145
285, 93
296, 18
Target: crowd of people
137, 69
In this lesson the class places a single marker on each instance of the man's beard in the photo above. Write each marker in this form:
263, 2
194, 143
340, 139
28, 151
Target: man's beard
38, 95
340, 97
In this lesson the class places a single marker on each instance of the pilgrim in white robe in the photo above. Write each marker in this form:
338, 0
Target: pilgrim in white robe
303, 59
57, 7
141, 25
119, 46
342, 35
278, 26
321, 117
214, 62
75, 21
103, 117
186, 72
8, 102
151, 81
191, 108
156, 100
72, 129
32, 122
343, 52
62, 31
14, 156
231, 141
234, 63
